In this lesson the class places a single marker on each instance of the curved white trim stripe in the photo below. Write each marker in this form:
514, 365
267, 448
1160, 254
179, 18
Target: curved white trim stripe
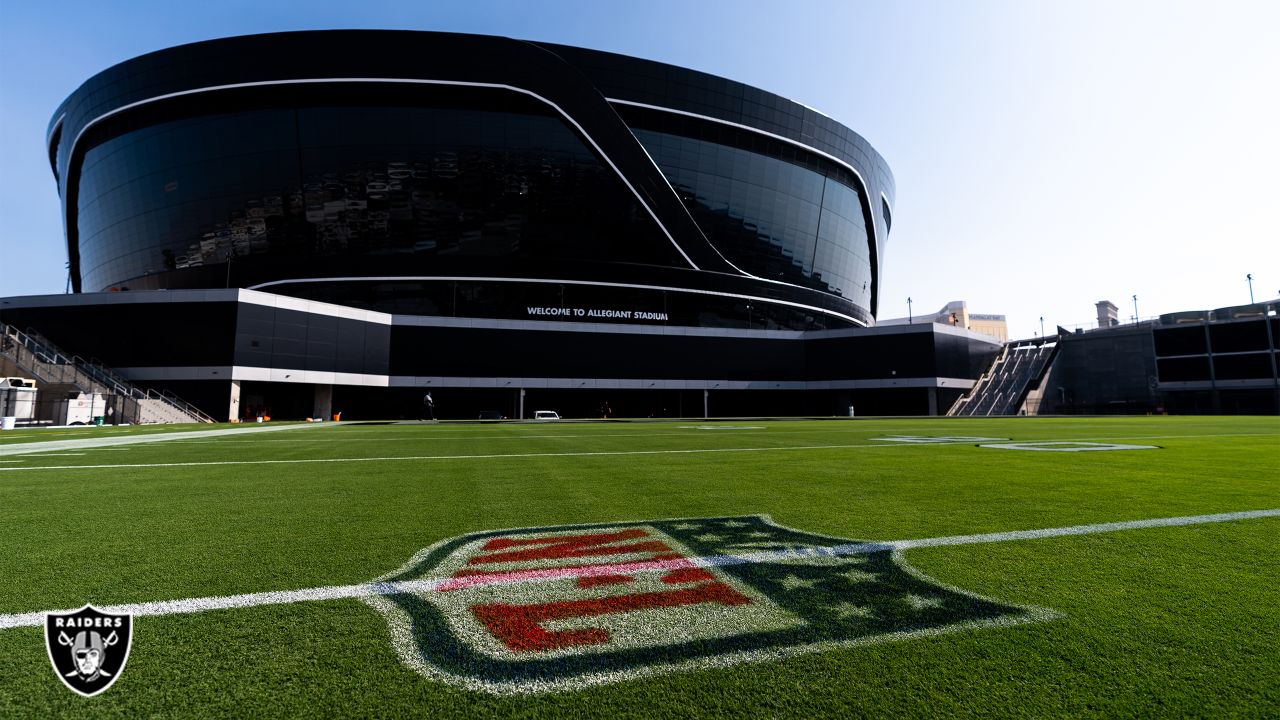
407, 81
53, 129
672, 188
553, 281
373, 589
861, 181
57, 126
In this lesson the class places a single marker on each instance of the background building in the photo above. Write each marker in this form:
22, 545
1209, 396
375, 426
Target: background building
1224, 361
344, 218
956, 314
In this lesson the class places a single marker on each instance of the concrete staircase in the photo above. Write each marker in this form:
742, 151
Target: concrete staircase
1004, 388
51, 367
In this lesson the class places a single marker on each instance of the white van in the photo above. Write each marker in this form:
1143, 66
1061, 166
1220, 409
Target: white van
546, 415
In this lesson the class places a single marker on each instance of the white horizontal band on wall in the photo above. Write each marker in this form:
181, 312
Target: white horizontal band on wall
667, 384
317, 377
554, 281
317, 307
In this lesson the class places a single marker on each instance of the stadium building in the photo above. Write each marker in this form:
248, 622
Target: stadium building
316, 222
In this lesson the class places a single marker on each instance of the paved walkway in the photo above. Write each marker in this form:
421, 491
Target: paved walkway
46, 446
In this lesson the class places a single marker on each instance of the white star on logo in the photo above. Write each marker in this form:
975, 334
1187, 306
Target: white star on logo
857, 576
922, 603
849, 610
791, 582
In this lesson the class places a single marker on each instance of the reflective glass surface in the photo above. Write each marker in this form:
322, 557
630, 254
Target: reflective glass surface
407, 183
771, 217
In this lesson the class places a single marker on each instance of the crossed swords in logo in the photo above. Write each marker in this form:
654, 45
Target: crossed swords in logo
107, 642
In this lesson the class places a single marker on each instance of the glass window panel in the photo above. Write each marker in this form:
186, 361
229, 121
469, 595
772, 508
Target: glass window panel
403, 182
771, 217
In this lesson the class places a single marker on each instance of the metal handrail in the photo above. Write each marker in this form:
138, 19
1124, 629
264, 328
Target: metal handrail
962, 408
82, 372
185, 406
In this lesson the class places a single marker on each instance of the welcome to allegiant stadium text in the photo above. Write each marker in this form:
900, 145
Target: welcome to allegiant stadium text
595, 313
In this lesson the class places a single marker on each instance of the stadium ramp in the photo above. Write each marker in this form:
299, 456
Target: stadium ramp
55, 370
1003, 388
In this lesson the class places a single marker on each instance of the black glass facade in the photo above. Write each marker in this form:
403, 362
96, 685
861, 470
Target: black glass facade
406, 183
433, 173
771, 218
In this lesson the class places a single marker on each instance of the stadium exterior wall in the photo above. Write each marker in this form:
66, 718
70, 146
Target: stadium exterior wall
309, 161
369, 213
381, 364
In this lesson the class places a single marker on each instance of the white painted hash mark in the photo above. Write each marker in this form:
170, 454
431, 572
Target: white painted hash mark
338, 592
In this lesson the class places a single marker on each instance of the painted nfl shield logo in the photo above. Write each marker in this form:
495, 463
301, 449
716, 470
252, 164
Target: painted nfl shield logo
88, 648
543, 609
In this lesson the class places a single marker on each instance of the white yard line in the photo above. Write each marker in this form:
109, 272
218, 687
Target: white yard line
364, 438
875, 443
493, 456
406, 458
350, 436
336, 592
113, 441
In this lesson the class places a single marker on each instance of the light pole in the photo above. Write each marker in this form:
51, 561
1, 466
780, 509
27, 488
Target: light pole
910, 320
1249, 277
1041, 326
1135, 309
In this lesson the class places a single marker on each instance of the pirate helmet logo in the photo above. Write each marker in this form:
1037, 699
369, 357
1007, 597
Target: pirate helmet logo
88, 648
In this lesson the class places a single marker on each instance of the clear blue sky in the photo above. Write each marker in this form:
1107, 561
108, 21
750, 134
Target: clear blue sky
1048, 154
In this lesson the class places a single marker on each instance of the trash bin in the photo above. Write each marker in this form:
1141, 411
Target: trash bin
97, 420
7, 422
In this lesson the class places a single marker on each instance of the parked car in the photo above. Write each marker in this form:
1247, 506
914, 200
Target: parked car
546, 415
492, 415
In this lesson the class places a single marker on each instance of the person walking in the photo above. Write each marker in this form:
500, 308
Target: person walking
429, 407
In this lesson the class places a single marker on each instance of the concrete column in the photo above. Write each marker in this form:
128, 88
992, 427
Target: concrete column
933, 402
233, 410
324, 402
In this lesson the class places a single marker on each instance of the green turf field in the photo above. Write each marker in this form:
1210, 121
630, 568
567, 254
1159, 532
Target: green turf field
1155, 621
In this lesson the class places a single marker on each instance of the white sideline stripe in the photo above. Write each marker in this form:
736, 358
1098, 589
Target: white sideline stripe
48, 446
367, 437
206, 433
339, 592
455, 457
